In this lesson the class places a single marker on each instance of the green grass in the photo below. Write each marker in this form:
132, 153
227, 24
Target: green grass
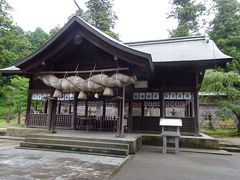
13, 122
220, 133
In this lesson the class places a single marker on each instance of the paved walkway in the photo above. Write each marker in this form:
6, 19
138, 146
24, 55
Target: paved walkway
6, 144
33, 164
147, 165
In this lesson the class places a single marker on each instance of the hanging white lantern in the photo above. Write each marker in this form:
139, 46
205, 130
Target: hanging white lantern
57, 94
82, 95
96, 95
108, 91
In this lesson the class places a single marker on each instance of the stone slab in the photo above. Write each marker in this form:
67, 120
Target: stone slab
33, 164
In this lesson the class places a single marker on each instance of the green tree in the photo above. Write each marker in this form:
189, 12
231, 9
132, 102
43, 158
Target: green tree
37, 38
53, 31
187, 12
13, 46
227, 83
16, 96
101, 15
13, 43
225, 30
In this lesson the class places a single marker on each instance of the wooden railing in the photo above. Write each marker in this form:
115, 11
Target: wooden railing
40, 120
64, 121
145, 124
151, 125
96, 123
37, 120
188, 127
109, 123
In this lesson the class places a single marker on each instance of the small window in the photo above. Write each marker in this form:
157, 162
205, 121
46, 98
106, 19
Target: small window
81, 108
152, 108
178, 108
66, 107
95, 108
111, 109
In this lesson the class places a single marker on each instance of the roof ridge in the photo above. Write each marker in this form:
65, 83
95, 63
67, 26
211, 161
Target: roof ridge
169, 40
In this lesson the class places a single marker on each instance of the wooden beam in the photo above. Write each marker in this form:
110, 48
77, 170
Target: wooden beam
85, 72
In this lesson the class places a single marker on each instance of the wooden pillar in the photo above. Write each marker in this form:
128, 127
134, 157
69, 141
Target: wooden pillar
86, 108
104, 107
59, 107
119, 118
162, 105
45, 106
120, 128
49, 112
29, 101
196, 112
130, 120
123, 111
74, 115
196, 108
51, 115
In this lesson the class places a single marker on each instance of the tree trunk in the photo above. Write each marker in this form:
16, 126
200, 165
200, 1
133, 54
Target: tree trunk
19, 117
9, 115
238, 126
19, 113
238, 120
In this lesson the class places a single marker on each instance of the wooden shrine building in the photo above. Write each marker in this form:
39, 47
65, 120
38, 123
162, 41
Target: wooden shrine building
168, 75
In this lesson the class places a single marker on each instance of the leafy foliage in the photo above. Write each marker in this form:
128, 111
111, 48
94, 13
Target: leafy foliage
100, 11
14, 45
225, 30
99, 14
37, 38
227, 83
54, 30
16, 93
187, 12
15, 97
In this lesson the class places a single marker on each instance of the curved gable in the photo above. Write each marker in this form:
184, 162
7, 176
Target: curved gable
76, 27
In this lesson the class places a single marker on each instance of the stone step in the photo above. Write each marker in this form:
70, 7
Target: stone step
230, 149
134, 144
229, 145
75, 148
88, 138
79, 143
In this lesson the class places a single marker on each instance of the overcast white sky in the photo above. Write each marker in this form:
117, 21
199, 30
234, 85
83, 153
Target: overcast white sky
138, 19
